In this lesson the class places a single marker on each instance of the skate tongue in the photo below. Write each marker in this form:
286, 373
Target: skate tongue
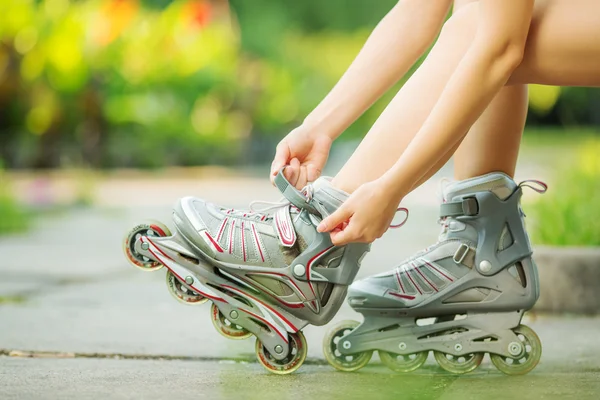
322, 183
496, 182
329, 197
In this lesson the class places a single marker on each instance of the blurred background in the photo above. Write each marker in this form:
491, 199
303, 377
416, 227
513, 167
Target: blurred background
92, 88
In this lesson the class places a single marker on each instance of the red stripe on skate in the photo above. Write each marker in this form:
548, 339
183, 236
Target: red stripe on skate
267, 323
157, 248
309, 265
222, 228
445, 276
413, 282
158, 229
286, 231
243, 242
427, 280
215, 244
402, 296
181, 278
231, 236
258, 243
284, 319
399, 280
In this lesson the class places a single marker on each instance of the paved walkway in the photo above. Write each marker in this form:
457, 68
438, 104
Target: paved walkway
152, 379
67, 291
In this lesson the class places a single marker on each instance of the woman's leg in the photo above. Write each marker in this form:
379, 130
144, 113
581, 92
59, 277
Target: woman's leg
563, 48
492, 143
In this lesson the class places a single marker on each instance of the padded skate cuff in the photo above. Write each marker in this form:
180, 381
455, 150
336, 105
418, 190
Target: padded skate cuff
467, 207
292, 194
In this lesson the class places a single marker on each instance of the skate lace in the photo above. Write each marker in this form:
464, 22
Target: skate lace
264, 213
262, 209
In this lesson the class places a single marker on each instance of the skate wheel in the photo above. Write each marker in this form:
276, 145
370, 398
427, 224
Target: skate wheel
295, 358
341, 362
181, 292
458, 364
225, 327
151, 229
532, 351
403, 363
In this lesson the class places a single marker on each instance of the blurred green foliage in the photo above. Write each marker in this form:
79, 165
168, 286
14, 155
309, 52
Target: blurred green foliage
569, 214
129, 83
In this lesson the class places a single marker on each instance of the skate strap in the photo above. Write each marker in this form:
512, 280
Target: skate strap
467, 206
284, 227
292, 194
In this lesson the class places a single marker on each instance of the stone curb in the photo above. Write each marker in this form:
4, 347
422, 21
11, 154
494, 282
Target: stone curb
569, 279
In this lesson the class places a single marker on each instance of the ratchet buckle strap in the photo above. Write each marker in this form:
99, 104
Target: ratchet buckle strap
466, 207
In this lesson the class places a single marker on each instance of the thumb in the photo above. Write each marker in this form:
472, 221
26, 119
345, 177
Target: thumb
336, 219
342, 237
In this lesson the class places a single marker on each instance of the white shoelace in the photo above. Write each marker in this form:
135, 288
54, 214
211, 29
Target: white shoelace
262, 213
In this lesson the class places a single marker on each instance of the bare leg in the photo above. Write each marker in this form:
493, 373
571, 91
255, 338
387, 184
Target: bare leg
563, 48
492, 143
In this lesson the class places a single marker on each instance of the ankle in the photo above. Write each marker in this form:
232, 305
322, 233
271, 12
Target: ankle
345, 185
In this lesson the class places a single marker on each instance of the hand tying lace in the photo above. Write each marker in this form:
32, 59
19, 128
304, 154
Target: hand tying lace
364, 216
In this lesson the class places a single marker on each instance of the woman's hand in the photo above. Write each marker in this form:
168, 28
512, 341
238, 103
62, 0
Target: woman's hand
364, 216
304, 151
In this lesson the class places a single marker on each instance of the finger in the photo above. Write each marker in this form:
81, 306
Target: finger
341, 237
312, 172
292, 171
342, 215
302, 177
282, 156
290, 174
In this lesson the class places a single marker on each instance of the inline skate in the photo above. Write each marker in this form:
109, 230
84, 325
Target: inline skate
267, 273
462, 297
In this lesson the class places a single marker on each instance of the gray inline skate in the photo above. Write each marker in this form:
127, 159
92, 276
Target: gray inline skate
460, 298
267, 273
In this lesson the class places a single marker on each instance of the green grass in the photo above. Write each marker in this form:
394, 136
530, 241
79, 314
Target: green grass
12, 300
555, 146
13, 218
569, 214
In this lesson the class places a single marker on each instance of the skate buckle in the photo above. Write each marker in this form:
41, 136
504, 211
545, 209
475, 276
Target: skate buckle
470, 206
459, 256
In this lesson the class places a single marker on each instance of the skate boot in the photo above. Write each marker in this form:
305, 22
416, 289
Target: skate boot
267, 273
462, 297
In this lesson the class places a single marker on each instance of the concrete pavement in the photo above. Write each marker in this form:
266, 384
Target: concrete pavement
150, 379
66, 288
